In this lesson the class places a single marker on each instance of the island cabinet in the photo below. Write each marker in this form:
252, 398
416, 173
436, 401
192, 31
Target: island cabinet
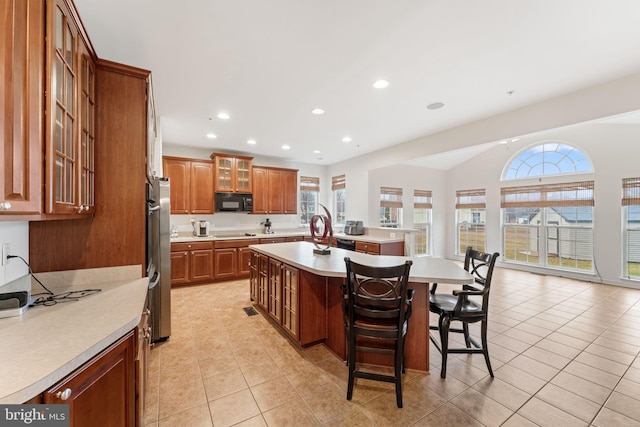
191, 185
102, 392
294, 299
21, 107
233, 173
192, 262
232, 258
275, 190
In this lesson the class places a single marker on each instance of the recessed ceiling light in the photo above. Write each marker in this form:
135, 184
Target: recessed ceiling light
211, 135
251, 141
285, 147
435, 106
347, 139
380, 84
316, 151
515, 139
503, 142
317, 111
223, 116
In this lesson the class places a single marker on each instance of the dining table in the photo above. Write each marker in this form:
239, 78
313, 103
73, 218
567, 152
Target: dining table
324, 275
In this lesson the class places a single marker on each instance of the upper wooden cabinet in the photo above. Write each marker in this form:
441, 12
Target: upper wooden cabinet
191, 184
21, 100
275, 190
70, 115
233, 173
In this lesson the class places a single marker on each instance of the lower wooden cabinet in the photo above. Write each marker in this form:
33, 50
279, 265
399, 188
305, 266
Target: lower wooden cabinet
232, 258
102, 392
386, 248
192, 262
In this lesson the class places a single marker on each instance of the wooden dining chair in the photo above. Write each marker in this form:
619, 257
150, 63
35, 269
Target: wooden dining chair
458, 306
377, 312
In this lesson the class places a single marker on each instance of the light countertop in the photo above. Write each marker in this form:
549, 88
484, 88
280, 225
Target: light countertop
423, 270
240, 236
47, 343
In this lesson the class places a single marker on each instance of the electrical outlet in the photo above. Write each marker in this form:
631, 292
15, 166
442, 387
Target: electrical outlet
5, 253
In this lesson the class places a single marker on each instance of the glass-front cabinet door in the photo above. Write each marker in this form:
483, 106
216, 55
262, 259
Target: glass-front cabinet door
243, 175
224, 174
70, 135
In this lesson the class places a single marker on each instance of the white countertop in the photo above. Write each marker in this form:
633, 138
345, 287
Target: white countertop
240, 236
47, 343
301, 255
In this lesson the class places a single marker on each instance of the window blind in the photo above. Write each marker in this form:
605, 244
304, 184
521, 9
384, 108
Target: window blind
422, 199
338, 182
309, 183
630, 191
390, 197
468, 199
548, 195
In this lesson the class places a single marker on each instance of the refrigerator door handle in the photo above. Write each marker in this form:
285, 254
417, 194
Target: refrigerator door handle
154, 280
154, 208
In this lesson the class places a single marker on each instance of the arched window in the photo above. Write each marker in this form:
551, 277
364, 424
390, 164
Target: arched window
550, 158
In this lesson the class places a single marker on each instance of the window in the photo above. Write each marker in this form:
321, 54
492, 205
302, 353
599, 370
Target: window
470, 219
309, 188
338, 186
390, 207
552, 158
631, 236
549, 225
422, 221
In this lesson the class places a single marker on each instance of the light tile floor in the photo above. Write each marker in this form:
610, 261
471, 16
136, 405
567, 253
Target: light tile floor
564, 353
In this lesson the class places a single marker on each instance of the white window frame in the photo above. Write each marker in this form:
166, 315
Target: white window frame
470, 232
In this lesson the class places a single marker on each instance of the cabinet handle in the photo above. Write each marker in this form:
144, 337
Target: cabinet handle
5, 206
64, 394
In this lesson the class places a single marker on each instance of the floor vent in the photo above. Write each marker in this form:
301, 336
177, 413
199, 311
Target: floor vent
250, 311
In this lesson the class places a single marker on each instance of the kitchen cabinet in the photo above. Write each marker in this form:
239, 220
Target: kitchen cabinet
143, 347
232, 258
70, 111
21, 106
383, 248
293, 299
275, 190
233, 173
274, 306
192, 262
191, 185
102, 392
273, 240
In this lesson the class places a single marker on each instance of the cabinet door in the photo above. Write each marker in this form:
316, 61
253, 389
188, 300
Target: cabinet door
253, 275
226, 263
225, 174
290, 192
260, 190
102, 392
179, 268
87, 130
263, 281
62, 167
243, 175
201, 265
202, 187
179, 173
290, 299
276, 198
275, 290
21, 106
244, 257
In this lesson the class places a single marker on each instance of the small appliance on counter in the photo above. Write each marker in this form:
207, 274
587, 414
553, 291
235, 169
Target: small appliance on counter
201, 229
13, 303
353, 228
267, 226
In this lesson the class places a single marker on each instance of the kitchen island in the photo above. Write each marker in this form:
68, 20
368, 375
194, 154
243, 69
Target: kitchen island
300, 291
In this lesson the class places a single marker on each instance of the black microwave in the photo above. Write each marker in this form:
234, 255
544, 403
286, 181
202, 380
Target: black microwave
233, 202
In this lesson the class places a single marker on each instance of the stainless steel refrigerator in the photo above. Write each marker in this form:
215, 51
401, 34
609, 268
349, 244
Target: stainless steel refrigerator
158, 257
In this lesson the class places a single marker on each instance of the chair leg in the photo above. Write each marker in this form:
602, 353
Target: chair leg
443, 325
351, 363
465, 328
399, 368
485, 349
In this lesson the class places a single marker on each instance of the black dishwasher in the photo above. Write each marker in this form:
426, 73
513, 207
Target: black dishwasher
346, 244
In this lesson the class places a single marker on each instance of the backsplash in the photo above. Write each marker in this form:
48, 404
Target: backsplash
231, 221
